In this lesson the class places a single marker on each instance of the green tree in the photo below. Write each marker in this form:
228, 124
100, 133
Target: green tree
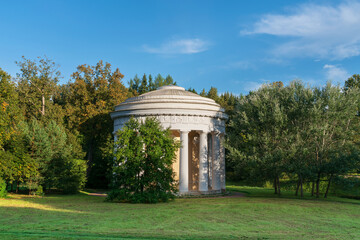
88, 100
144, 154
334, 126
134, 85
353, 81
49, 147
10, 113
37, 86
295, 131
144, 87
137, 87
261, 122
151, 83
213, 94
191, 90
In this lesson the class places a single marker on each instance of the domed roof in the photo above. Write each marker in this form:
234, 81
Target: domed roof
172, 100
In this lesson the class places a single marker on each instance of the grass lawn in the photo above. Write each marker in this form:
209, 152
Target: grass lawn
259, 215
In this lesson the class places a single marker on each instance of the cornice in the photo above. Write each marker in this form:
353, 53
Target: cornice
219, 115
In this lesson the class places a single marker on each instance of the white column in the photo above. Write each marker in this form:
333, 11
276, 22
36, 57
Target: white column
216, 162
210, 159
184, 162
222, 162
203, 163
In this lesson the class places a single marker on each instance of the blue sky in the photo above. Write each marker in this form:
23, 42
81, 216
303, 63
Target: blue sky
233, 45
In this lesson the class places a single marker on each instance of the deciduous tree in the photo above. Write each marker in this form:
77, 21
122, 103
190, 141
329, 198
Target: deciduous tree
144, 154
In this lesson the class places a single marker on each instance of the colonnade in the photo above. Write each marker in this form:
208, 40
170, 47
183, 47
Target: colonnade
211, 162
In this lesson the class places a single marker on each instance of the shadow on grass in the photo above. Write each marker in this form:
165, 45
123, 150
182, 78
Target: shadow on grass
258, 192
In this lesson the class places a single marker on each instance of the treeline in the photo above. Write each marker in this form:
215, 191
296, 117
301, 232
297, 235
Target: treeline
59, 136
296, 133
55, 136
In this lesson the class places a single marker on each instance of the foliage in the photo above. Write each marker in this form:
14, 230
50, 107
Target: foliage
49, 148
39, 191
88, 100
296, 132
348, 186
10, 113
3, 192
37, 85
18, 169
69, 174
137, 87
352, 82
142, 172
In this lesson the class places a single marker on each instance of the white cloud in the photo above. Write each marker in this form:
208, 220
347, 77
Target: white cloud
179, 46
315, 30
335, 73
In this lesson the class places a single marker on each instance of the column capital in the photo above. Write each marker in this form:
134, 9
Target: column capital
184, 131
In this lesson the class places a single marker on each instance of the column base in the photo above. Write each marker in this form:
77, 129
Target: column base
198, 193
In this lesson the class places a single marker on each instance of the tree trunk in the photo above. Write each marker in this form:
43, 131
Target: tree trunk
328, 186
297, 187
313, 188
318, 186
275, 186
278, 183
17, 187
43, 105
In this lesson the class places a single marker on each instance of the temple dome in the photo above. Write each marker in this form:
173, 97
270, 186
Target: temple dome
171, 99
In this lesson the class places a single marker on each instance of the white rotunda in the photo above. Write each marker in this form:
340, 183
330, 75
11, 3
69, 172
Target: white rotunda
198, 122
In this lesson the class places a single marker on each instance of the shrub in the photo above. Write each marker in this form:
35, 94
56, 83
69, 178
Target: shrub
69, 175
142, 172
346, 186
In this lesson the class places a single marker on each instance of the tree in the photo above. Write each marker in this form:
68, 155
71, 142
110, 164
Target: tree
49, 148
334, 126
213, 94
352, 82
15, 164
10, 113
297, 132
258, 133
160, 81
88, 100
144, 87
151, 83
137, 87
191, 90
134, 85
144, 154
37, 85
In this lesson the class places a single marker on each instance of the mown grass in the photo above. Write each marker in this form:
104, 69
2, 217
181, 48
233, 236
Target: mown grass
259, 215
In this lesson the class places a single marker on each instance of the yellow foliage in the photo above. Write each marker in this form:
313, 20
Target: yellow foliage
4, 106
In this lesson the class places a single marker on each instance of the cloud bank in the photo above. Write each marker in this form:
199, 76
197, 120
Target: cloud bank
314, 30
179, 46
335, 73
